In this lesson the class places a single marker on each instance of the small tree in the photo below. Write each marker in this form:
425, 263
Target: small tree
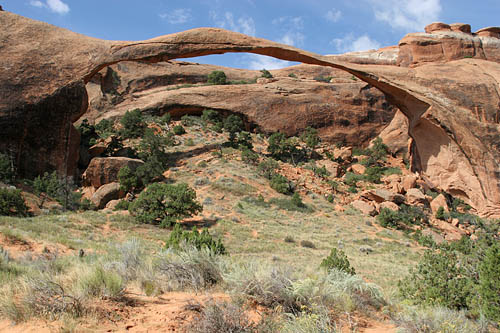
337, 260
133, 124
12, 203
266, 74
165, 204
7, 171
233, 124
267, 168
178, 130
129, 181
281, 184
489, 282
217, 77
104, 128
310, 137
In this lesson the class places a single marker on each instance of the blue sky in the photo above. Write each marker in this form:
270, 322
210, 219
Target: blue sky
321, 26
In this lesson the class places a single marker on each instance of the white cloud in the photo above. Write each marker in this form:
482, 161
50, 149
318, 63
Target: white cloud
291, 27
244, 25
259, 62
38, 4
56, 6
408, 15
333, 15
352, 44
177, 16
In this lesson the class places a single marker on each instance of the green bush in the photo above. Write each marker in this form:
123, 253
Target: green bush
165, 204
217, 77
178, 130
233, 124
122, 205
132, 124
284, 149
104, 128
244, 140
165, 119
489, 282
321, 78
337, 260
7, 171
310, 137
210, 116
281, 184
441, 213
195, 238
405, 216
267, 168
88, 134
439, 279
351, 179
129, 181
297, 200
292, 75
249, 156
266, 74
376, 153
12, 203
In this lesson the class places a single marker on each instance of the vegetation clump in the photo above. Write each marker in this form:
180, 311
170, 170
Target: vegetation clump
133, 124
165, 204
281, 184
337, 260
197, 239
217, 77
12, 203
266, 74
7, 170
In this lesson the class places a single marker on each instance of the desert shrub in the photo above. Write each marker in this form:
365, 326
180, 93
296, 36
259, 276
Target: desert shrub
210, 116
104, 128
281, 184
7, 170
88, 134
297, 200
12, 203
439, 279
165, 204
189, 267
330, 198
489, 282
196, 239
249, 156
115, 146
216, 77
151, 151
46, 298
437, 319
405, 216
189, 142
337, 260
311, 322
60, 189
178, 130
267, 168
165, 119
289, 239
351, 179
441, 213
129, 181
102, 283
86, 204
290, 205
132, 124
376, 153
122, 205
221, 317
233, 124
292, 75
266, 74
310, 137
320, 172
373, 173
321, 78
188, 120
308, 244
283, 148
244, 140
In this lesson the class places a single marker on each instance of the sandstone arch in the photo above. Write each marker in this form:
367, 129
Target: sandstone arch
44, 69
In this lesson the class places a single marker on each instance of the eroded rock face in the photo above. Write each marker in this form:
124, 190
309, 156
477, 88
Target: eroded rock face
104, 170
452, 106
345, 110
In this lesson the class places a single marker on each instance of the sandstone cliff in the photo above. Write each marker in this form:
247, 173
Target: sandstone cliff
452, 106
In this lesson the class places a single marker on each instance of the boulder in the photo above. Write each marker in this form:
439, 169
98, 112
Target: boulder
439, 201
380, 195
365, 207
104, 170
112, 204
389, 205
344, 153
409, 182
415, 196
436, 237
106, 193
358, 169
437, 26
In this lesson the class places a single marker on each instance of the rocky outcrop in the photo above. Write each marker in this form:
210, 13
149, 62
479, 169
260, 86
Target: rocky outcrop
442, 43
343, 110
452, 106
106, 193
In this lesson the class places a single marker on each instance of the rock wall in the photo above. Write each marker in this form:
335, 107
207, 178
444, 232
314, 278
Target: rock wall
40, 62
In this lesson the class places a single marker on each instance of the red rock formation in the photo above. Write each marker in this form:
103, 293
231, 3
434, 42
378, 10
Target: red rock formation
344, 110
452, 106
